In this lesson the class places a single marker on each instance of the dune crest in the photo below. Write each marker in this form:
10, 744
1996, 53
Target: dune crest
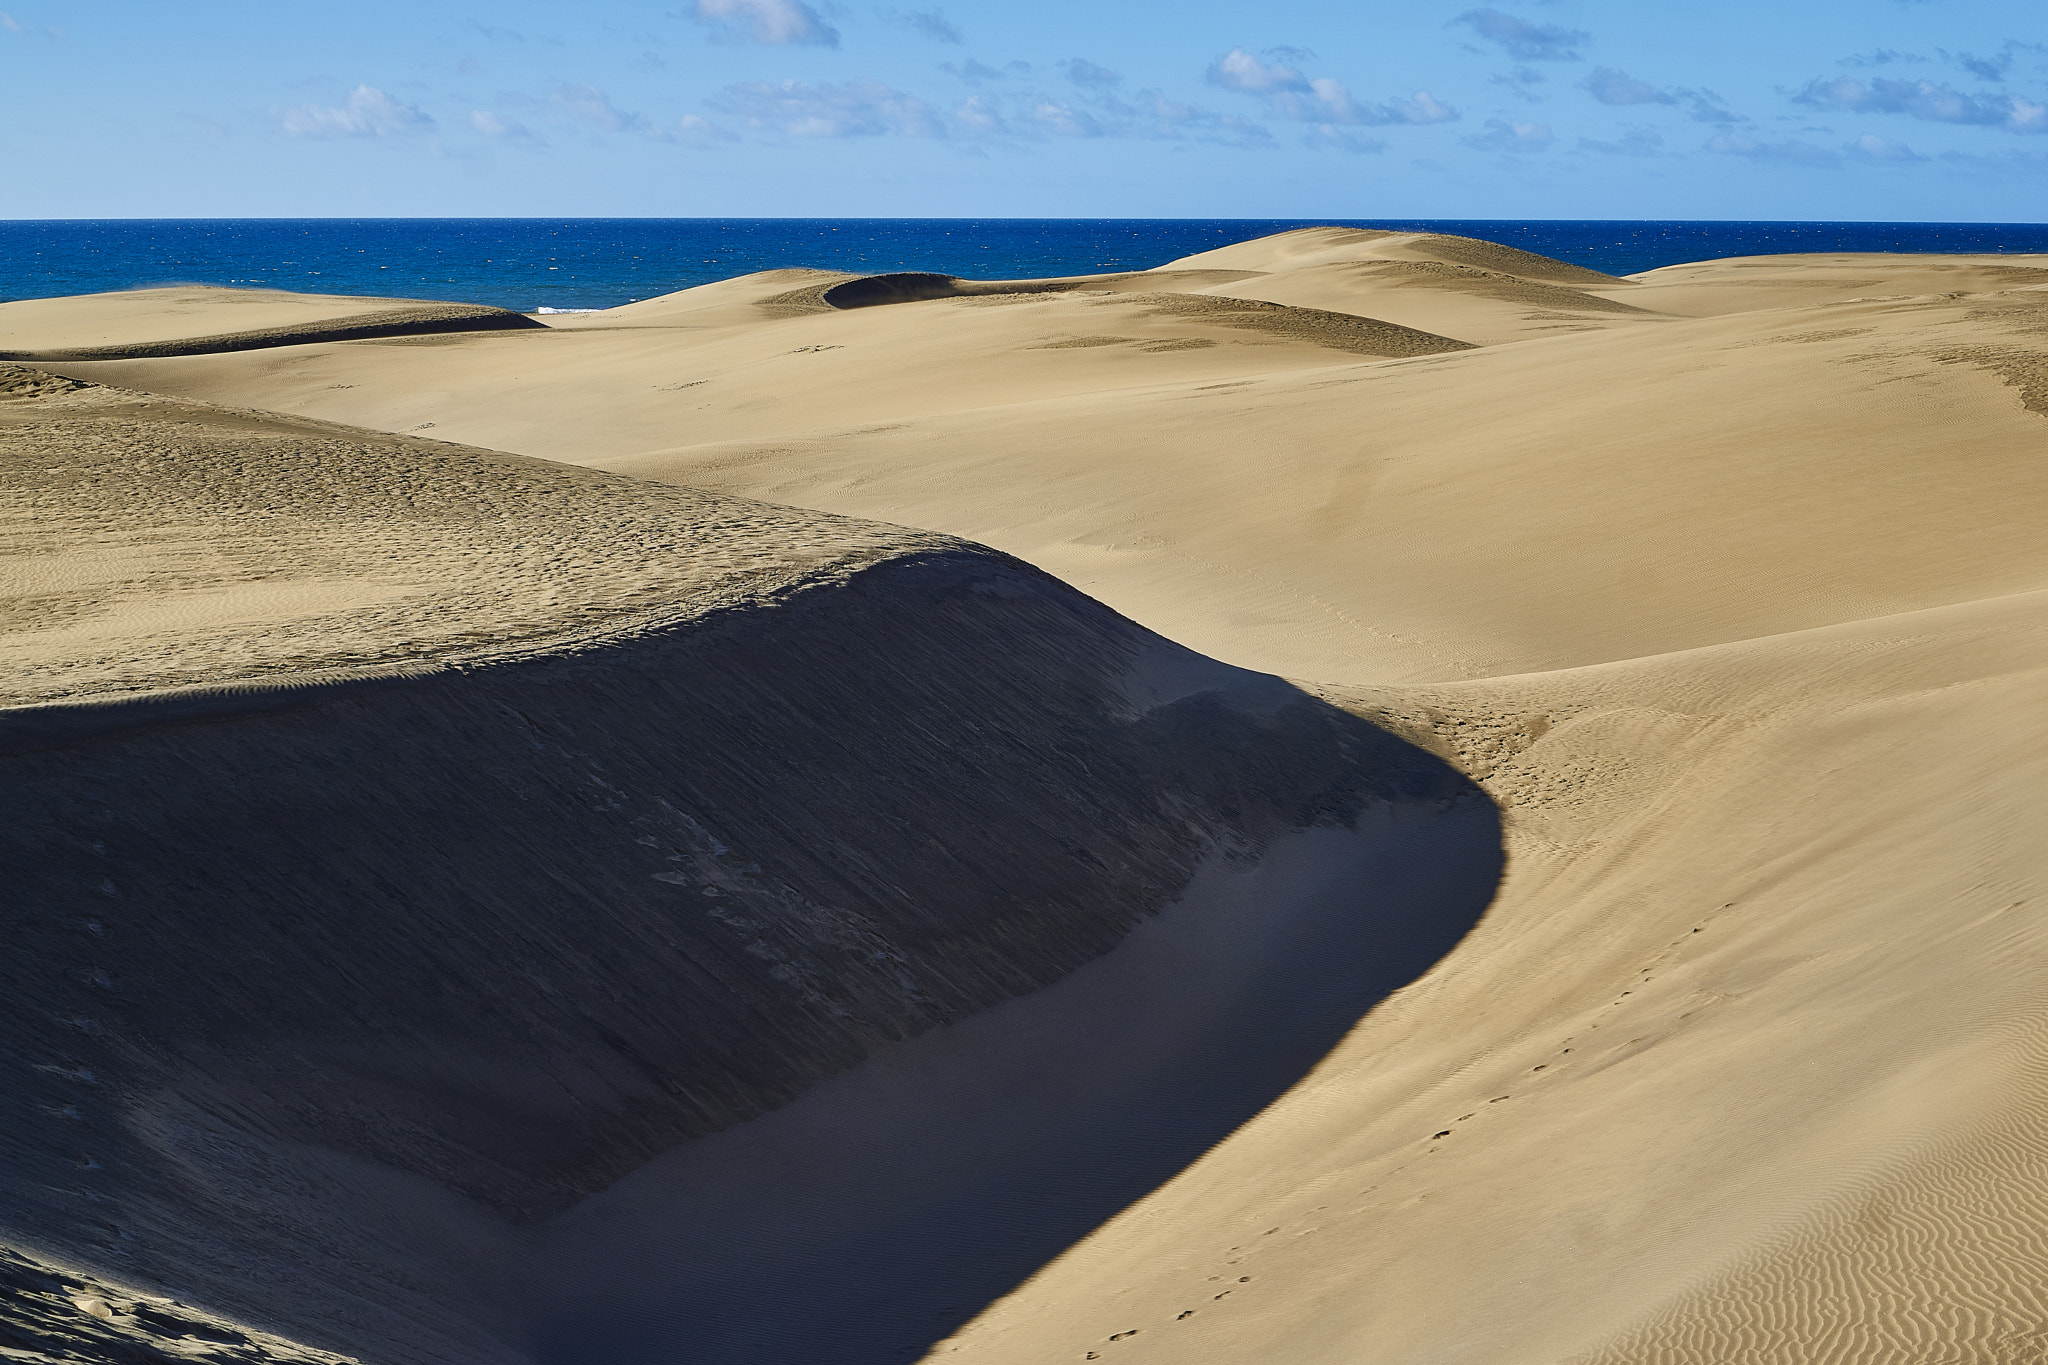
616, 841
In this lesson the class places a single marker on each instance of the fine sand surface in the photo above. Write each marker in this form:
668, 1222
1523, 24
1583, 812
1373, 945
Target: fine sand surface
560, 845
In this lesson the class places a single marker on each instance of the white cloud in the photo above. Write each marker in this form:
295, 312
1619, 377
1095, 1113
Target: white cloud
1927, 100
979, 117
10, 23
1882, 150
693, 130
1635, 142
1512, 135
825, 109
588, 105
1157, 116
980, 73
1329, 136
368, 112
1291, 95
775, 23
490, 125
1779, 153
1610, 86
933, 24
1523, 40
1240, 71
1064, 119
1421, 109
1088, 75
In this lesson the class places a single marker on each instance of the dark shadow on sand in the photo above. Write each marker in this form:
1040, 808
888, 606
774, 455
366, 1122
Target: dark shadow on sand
891, 1204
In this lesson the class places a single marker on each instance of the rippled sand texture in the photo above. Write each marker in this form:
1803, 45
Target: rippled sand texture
1725, 587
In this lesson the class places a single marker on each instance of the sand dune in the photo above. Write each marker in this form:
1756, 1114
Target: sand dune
439, 834
166, 322
1714, 602
1363, 536
1745, 284
1322, 246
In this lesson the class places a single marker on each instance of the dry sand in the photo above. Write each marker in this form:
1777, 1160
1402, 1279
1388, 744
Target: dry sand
1725, 584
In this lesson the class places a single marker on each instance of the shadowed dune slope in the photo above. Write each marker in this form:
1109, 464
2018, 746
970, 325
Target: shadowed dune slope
1743, 1064
1717, 601
168, 322
568, 820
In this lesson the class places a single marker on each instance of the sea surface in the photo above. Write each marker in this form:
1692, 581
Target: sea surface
530, 264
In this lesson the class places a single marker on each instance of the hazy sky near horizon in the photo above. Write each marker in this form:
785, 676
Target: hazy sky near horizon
1891, 109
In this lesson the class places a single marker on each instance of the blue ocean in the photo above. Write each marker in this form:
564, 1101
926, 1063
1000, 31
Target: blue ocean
563, 263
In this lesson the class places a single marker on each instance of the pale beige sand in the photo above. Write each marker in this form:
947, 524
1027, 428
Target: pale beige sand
1301, 510
148, 543
1729, 585
196, 319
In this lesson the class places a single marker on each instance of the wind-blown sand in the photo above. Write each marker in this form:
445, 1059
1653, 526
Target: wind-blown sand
349, 1015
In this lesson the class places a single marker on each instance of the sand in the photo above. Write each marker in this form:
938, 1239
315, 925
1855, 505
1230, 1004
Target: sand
1723, 587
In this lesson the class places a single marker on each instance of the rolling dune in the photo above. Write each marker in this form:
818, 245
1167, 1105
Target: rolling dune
154, 322
1624, 946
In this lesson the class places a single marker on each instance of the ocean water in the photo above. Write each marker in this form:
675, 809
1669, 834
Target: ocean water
566, 263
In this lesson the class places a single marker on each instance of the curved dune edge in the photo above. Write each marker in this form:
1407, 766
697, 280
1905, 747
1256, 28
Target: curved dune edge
1742, 1061
434, 320
383, 959
1151, 289
717, 929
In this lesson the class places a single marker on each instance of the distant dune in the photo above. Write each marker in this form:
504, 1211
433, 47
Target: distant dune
615, 840
148, 323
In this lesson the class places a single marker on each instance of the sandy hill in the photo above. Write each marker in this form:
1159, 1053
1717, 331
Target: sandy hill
412, 839
195, 319
1715, 601
1271, 497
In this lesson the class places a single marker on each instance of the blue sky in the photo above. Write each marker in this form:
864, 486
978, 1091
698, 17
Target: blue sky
1890, 109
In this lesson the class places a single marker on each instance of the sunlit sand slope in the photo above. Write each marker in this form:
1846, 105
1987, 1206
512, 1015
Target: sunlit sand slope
1659, 485
411, 839
1744, 1064
1726, 588
204, 319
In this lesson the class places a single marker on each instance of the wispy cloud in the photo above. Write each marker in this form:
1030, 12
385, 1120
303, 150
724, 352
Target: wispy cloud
500, 129
980, 73
1881, 151
1994, 67
1522, 40
1329, 137
1241, 71
1512, 136
775, 23
1609, 86
1883, 56
1291, 95
16, 28
1787, 153
694, 130
825, 109
367, 112
1174, 121
1088, 75
1635, 142
1704, 106
1064, 120
932, 24
591, 107
1926, 100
